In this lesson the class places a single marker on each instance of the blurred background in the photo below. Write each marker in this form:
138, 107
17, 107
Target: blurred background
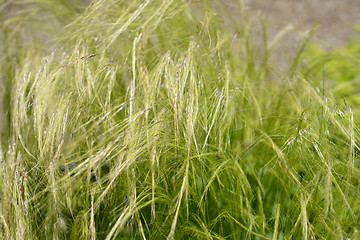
334, 23
335, 17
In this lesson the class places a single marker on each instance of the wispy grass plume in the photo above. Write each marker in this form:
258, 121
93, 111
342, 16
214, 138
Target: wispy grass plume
160, 120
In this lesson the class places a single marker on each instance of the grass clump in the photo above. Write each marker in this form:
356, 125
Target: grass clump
157, 120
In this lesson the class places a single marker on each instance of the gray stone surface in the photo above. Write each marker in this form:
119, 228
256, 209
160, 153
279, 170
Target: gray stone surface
336, 17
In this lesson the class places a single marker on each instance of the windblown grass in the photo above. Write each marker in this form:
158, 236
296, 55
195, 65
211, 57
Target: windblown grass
155, 120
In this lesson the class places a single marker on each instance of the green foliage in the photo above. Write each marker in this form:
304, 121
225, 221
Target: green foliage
338, 67
159, 120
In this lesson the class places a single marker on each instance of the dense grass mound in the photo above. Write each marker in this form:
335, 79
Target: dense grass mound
159, 120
